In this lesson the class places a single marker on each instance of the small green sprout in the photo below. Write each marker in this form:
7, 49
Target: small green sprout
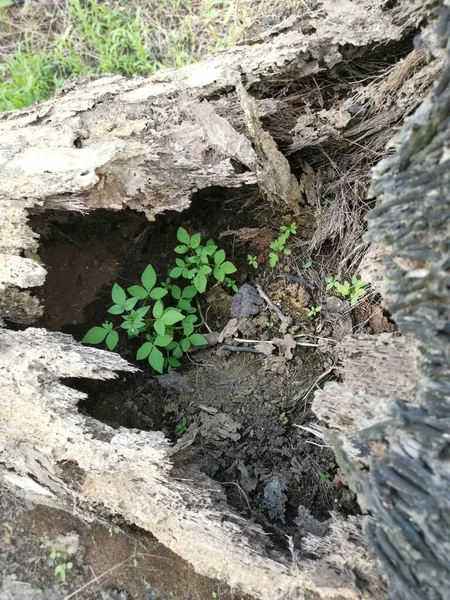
166, 317
61, 567
325, 477
307, 265
354, 289
313, 311
182, 426
252, 261
278, 246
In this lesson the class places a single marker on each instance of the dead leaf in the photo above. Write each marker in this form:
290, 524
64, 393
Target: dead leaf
286, 345
276, 364
265, 348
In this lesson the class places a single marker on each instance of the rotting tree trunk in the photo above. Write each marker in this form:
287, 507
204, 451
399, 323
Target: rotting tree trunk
405, 439
150, 145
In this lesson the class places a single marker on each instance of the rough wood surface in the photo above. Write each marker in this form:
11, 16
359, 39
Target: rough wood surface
406, 445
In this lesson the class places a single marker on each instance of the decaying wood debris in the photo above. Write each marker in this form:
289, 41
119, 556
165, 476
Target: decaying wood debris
149, 145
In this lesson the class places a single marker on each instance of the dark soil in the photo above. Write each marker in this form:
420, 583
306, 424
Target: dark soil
109, 563
241, 412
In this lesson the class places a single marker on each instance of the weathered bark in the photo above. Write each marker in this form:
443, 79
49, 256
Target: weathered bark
150, 145
407, 488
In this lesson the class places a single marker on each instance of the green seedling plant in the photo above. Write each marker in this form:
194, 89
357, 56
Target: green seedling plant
353, 290
61, 567
166, 317
278, 246
182, 426
313, 311
325, 477
252, 261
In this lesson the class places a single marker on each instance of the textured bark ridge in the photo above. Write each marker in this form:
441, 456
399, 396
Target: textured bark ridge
150, 145
407, 489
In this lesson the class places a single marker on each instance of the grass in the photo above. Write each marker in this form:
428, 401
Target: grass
48, 42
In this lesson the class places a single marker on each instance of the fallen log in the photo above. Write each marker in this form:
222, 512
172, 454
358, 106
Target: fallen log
150, 145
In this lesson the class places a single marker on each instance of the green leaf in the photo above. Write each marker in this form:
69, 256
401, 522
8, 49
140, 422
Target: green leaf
198, 340
200, 282
205, 269
138, 292
219, 273
175, 272
183, 236
171, 316
191, 274
144, 351
143, 311
156, 360
180, 262
195, 240
287, 251
185, 344
176, 292
184, 304
112, 339
209, 250
95, 335
308, 264
228, 267
148, 278
159, 327
6, 3
188, 328
118, 295
273, 259
181, 249
219, 257
177, 351
158, 309
189, 291
116, 309
190, 319
173, 362
158, 293
107, 325
192, 260
130, 303
163, 340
